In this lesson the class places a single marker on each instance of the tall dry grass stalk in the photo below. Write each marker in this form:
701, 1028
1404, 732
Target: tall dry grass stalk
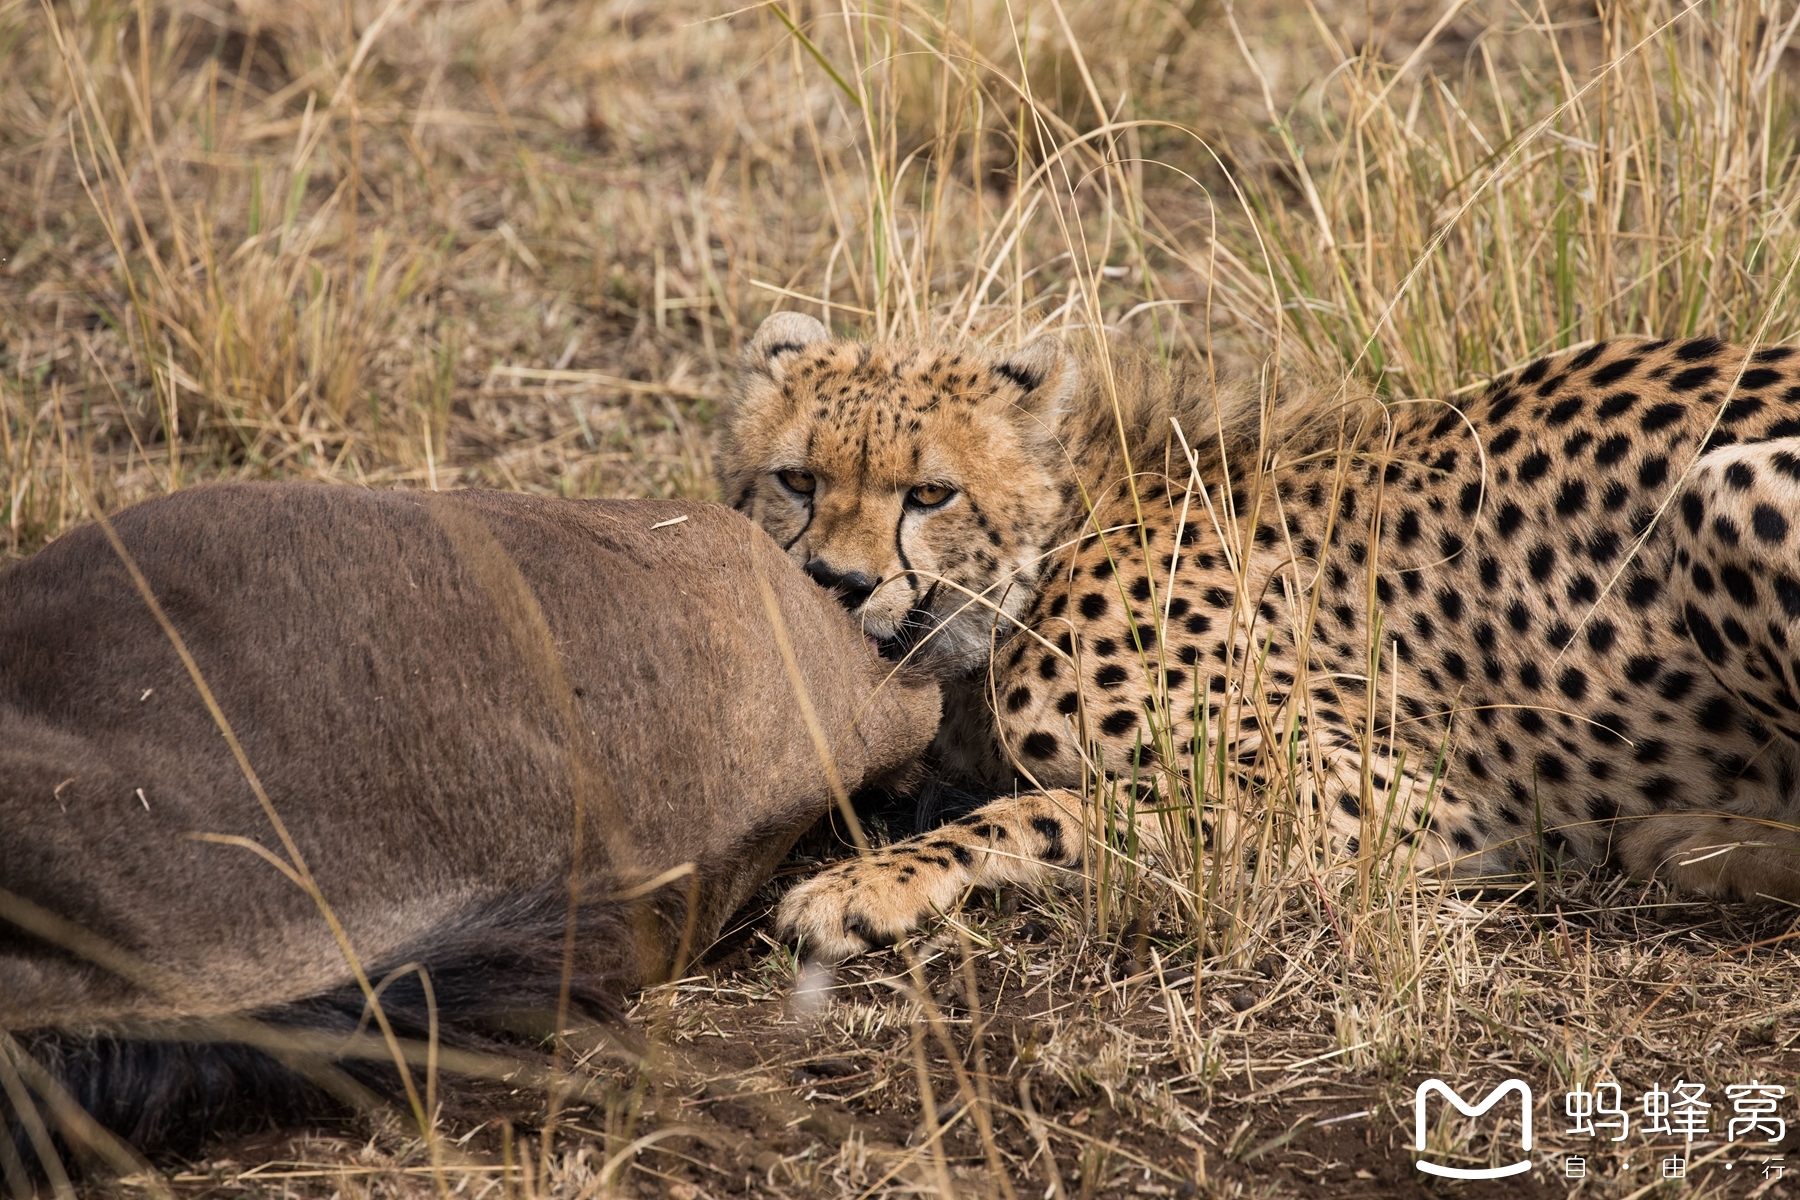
1633, 176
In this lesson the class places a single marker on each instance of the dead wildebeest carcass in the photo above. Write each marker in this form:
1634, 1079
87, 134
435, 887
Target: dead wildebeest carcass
278, 742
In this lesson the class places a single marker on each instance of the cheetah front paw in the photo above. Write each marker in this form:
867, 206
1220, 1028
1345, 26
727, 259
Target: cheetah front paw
871, 902
875, 900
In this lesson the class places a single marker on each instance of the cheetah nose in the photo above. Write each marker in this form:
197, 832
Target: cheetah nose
852, 587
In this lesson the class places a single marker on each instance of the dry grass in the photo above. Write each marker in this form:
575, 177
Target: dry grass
472, 242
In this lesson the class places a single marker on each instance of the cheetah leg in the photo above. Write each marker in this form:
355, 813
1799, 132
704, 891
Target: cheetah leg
1414, 820
1034, 838
1413, 817
1736, 586
1039, 837
1737, 573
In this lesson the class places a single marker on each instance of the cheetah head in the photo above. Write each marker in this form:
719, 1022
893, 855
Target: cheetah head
922, 485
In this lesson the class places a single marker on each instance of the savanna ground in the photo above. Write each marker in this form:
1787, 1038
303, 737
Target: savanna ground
517, 243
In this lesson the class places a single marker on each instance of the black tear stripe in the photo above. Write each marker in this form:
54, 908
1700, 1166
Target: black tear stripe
1021, 377
906, 566
789, 544
811, 509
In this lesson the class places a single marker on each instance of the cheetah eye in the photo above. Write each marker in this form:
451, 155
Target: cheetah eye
801, 483
929, 495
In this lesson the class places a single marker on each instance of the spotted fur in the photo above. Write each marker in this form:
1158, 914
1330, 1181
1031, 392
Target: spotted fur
1585, 583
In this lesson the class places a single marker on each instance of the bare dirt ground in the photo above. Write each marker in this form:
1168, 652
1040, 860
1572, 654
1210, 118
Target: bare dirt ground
1006, 1053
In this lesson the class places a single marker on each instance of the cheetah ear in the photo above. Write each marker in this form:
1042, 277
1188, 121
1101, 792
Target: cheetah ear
779, 335
1043, 374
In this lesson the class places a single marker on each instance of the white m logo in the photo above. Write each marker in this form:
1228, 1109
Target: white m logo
1467, 1110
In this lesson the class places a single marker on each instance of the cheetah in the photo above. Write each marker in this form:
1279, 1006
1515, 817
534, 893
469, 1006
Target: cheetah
1579, 593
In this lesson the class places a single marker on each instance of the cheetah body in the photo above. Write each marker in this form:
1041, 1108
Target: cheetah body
1579, 594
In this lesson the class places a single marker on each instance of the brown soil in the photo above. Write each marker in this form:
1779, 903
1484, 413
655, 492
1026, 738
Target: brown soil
752, 1086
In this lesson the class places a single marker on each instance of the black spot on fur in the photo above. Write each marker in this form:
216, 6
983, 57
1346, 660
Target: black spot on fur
1693, 512
1470, 498
1642, 591
1693, 378
1564, 411
1614, 371
1119, 722
1572, 683
1572, 498
1612, 450
1768, 524
1052, 833
1541, 561
1705, 635
1676, 684
1738, 585
1609, 729
1787, 591
1615, 404
1716, 715
1742, 407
